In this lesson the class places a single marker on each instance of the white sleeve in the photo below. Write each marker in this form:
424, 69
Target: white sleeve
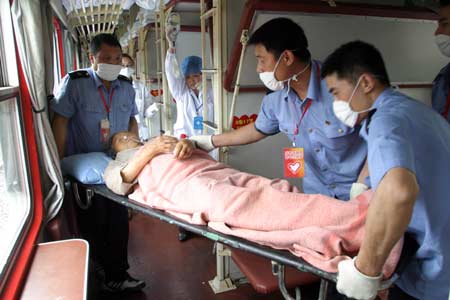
175, 80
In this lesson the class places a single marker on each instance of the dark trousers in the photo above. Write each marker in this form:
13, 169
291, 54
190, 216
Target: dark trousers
105, 226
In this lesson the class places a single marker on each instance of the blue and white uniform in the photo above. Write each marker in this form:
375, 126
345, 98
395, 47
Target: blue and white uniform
78, 99
334, 153
188, 104
404, 133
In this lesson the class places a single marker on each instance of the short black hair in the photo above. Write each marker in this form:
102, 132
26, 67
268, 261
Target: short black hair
444, 3
103, 38
127, 56
281, 34
351, 60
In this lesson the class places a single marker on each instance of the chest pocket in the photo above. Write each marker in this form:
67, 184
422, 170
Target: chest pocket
336, 136
125, 107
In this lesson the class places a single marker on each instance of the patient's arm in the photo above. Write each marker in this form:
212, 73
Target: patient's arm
158, 145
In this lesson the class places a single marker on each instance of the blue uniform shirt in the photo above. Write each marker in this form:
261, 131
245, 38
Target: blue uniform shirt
406, 133
79, 100
441, 88
334, 153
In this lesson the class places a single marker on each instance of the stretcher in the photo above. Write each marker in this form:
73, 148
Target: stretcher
279, 258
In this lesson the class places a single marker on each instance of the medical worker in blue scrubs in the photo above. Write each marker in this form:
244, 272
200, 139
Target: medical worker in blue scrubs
301, 108
408, 157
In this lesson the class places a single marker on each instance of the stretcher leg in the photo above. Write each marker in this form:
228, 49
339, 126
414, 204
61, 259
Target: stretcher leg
278, 270
323, 289
222, 282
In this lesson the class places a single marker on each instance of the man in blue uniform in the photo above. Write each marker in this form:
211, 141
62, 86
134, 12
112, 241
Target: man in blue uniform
90, 106
408, 157
301, 108
441, 84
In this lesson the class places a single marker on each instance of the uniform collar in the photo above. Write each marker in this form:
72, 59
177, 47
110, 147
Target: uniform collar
313, 86
381, 99
98, 81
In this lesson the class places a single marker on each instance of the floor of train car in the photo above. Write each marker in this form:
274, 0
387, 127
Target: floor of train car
175, 270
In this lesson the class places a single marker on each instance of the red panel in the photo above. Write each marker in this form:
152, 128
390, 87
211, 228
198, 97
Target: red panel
21, 264
60, 46
251, 6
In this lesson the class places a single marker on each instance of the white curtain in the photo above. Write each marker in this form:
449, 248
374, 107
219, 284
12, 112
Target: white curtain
32, 20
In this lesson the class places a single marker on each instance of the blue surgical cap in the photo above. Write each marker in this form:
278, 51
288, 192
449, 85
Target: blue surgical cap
191, 65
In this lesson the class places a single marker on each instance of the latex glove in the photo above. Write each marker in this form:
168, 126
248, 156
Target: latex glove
357, 189
203, 142
171, 35
354, 284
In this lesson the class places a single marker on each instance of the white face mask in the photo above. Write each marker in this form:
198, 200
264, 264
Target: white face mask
344, 112
443, 43
127, 72
108, 72
269, 80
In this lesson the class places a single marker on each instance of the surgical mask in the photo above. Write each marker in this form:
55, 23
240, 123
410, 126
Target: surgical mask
108, 72
344, 112
269, 80
127, 72
443, 43
198, 86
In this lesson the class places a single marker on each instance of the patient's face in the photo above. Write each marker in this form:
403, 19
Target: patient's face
125, 140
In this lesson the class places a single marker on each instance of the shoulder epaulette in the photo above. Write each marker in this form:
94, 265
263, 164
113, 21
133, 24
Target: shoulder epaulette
78, 74
121, 77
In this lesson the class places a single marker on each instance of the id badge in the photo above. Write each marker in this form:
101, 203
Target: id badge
294, 163
198, 123
104, 131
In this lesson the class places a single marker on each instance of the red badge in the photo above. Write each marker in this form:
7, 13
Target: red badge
294, 163
243, 120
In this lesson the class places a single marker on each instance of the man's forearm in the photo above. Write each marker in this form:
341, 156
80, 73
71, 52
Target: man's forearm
389, 214
59, 128
242, 136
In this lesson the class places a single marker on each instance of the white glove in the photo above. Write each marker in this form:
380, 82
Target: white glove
151, 110
171, 35
354, 284
203, 142
357, 189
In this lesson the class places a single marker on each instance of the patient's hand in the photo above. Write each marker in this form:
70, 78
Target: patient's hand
183, 149
161, 144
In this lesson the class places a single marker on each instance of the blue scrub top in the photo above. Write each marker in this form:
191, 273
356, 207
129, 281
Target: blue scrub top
79, 100
334, 153
406, 133
441, 88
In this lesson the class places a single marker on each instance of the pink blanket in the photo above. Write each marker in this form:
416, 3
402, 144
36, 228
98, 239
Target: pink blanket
320, 229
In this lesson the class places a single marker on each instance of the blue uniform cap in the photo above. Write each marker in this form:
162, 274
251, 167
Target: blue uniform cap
191, 65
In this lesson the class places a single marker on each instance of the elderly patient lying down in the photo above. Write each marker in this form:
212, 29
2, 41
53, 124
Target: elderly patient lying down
320, 229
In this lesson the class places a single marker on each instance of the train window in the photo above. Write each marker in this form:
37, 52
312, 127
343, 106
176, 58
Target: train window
15, 196
14, 193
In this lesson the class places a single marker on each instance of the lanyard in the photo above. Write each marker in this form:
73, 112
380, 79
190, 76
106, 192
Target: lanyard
305, 109
307, 105
107, 107
194, 97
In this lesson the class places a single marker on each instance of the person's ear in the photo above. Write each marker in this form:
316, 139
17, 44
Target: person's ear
92, 58
288, 57
367, 83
